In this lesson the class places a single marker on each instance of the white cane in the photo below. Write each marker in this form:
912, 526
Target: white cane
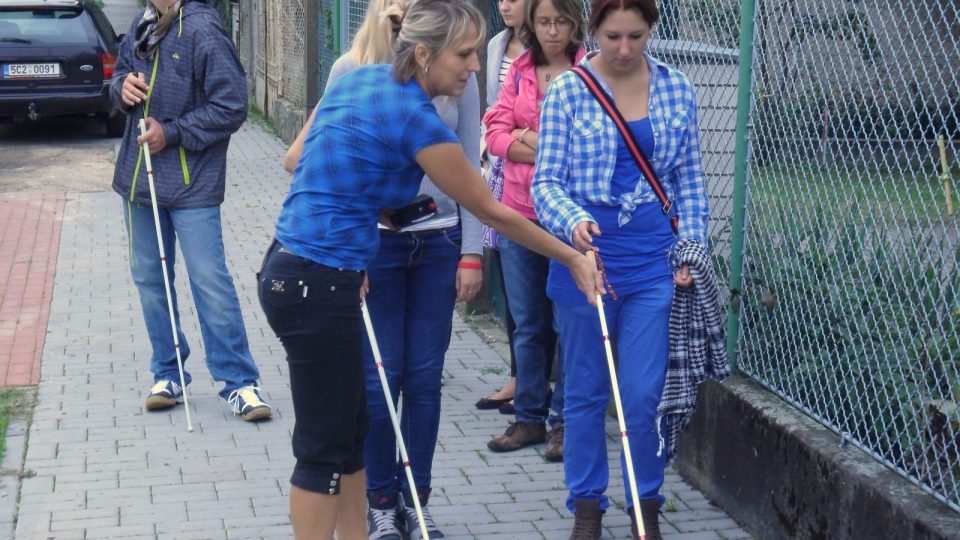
632, 478
393, 418
163, 264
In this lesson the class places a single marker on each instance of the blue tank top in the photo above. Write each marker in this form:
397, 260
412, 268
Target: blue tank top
634, 255
626, 173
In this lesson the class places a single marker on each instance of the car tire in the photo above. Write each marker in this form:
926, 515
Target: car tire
116, 124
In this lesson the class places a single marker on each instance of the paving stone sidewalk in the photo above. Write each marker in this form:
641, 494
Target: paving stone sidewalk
98, 466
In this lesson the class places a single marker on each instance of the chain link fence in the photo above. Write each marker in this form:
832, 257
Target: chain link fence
851, 291
293, 82
279, 50
329, 45
341, 20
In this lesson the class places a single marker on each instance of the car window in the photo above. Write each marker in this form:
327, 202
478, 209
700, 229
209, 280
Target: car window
46, 27
106, 29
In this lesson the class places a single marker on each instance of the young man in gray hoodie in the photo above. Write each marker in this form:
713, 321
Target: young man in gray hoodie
179, 71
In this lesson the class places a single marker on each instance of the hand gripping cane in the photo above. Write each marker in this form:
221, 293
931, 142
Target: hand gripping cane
393, 418
616, 399
163, 264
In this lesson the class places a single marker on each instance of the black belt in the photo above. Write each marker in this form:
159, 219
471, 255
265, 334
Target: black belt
418, 234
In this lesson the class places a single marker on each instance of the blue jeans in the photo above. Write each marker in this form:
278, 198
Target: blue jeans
411, 299
221, 323
639, 324
525, 283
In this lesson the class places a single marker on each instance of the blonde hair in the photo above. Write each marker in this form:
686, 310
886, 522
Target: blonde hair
436, 24
373, 42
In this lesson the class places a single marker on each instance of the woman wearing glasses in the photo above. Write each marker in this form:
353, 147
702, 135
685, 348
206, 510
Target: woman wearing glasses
553, 32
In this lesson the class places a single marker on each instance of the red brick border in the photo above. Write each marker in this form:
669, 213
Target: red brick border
29, 242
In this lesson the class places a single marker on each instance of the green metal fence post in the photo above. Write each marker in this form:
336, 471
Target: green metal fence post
338, 22
744, 84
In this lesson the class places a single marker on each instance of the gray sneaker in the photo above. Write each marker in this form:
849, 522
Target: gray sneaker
383, 517
412, 525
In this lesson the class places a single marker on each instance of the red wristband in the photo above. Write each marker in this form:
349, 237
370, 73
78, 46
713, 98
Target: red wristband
470, 265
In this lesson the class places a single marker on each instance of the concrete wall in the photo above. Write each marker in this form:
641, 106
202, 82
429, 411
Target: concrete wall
782, 475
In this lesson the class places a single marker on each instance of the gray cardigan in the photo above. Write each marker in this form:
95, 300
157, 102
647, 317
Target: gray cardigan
496, 48
463, 116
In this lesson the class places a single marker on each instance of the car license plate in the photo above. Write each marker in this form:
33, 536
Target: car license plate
31, 71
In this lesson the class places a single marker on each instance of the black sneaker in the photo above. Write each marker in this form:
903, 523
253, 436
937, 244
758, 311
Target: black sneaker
411, 524
163, 395
383, 517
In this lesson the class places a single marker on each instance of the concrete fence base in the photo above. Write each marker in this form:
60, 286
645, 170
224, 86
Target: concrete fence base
780, 474
288, 118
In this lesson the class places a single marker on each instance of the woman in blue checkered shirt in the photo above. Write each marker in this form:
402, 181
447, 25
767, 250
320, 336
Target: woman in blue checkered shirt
589, 191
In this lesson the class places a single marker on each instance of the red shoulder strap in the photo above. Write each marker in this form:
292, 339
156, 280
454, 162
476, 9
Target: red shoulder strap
607, 103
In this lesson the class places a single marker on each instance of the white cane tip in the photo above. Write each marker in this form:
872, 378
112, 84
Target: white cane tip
190, 429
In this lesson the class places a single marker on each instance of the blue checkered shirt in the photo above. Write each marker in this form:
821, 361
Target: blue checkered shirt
359, 157
577, 154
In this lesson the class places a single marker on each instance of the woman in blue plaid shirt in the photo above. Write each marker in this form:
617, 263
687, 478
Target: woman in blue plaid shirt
589, 191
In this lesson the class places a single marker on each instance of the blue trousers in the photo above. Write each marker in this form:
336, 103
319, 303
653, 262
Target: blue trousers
221, 322
411, 299
639, 324
525, 283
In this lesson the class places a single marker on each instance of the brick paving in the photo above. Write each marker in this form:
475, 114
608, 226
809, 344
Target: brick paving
29, 238
98, 466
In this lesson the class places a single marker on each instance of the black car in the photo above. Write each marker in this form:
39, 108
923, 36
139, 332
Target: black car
57, 59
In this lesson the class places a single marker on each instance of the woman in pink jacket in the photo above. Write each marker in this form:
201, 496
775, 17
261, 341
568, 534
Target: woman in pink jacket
553, 32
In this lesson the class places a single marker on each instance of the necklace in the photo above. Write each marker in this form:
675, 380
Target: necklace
547, 76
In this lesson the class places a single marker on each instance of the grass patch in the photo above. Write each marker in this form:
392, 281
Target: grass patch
15, 403
901, 194
256, 116
491, 370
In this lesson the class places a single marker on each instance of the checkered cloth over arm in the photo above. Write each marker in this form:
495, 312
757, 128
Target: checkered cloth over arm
697, 342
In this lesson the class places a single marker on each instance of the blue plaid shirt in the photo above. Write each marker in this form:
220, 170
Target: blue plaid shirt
359, 157
577, 154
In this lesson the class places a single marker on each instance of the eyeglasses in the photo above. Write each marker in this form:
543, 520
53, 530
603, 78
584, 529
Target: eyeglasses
562, 23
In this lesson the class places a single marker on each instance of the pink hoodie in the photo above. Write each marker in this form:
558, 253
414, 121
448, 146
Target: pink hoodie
516, 107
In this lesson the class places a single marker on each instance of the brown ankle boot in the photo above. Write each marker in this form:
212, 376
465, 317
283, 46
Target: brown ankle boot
586, 520
554, 450
650, 513
518, 435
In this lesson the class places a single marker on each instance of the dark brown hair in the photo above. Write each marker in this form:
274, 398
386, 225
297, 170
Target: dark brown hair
599, 9
570, 9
